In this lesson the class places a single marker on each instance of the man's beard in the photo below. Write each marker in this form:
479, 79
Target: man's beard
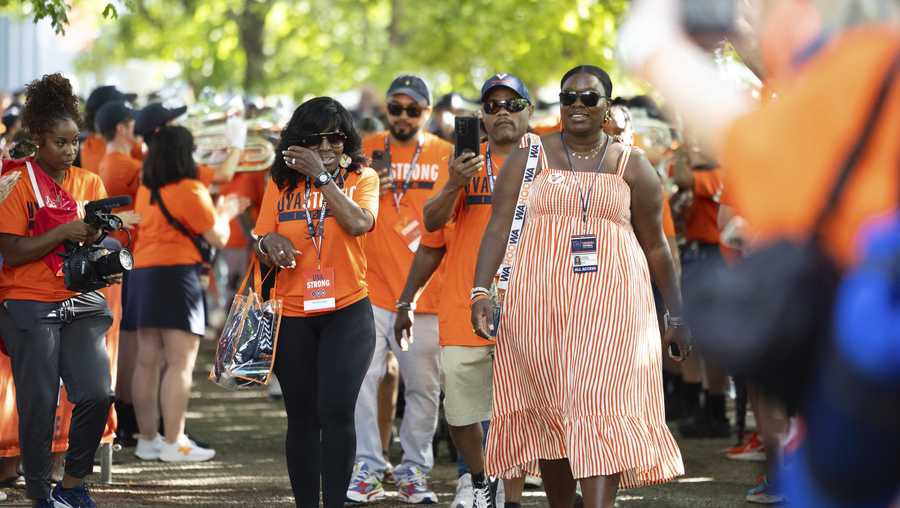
402, 135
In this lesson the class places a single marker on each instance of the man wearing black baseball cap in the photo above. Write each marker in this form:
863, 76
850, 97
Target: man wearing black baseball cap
94, 145
409, 161
465, 195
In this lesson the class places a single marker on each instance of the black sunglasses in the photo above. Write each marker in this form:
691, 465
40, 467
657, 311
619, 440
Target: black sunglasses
589, 99
333, 137
412, 110
511, 105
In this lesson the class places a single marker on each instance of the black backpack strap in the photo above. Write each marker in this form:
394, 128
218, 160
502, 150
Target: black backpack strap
859, 148
195, 239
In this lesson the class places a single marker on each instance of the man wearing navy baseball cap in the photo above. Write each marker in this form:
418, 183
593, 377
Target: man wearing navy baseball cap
94, 146
464, 196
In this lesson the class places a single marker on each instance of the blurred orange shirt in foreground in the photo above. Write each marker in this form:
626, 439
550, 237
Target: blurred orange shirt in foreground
782, 159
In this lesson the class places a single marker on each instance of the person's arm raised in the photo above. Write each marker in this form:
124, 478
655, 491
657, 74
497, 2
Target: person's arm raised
353, 218
493, 244
439, 208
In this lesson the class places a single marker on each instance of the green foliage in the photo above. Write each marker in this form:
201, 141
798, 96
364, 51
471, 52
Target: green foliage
56, 10
303, 47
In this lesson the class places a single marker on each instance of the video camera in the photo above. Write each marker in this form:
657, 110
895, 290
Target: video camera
90, 267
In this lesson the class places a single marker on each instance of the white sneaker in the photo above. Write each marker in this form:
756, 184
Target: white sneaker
185, 450
465, 494
148, 449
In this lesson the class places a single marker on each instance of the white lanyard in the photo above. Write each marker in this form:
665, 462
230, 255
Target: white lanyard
515, 230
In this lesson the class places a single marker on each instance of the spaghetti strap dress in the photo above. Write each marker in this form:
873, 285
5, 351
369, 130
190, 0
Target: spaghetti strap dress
578, 362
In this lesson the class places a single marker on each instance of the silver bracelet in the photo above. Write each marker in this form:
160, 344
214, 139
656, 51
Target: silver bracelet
410, 306
478, 290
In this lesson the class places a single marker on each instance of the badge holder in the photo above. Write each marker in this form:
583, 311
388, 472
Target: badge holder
318, 293
410, 231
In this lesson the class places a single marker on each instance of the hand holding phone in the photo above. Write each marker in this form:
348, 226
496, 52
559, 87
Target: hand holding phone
467, 134
381, 163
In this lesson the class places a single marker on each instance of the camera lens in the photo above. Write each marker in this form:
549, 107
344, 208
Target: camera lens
126, 260
114, 263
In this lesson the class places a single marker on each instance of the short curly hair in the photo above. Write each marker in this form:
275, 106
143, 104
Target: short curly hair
47, 101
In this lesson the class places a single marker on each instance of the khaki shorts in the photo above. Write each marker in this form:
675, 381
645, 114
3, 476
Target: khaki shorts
467, 380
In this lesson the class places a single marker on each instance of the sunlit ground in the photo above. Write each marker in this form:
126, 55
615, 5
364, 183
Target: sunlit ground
247, 431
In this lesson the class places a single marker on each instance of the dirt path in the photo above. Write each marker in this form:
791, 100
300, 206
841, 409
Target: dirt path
247, 430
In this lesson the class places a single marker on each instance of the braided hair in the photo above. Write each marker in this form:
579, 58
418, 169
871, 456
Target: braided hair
593, 70
321, 114
47, 101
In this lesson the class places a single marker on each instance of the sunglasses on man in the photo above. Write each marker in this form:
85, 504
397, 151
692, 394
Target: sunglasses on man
412, 110
589, 99
314, 140
511, 105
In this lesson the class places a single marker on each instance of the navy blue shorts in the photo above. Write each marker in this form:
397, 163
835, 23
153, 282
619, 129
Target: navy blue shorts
165, 297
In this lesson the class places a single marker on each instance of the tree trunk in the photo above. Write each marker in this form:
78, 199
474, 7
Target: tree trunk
251, 29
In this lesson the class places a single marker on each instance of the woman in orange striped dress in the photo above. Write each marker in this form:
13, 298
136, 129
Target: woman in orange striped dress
578, 378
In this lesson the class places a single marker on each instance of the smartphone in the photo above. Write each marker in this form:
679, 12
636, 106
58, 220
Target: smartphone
709, 21
467, 135
380, 161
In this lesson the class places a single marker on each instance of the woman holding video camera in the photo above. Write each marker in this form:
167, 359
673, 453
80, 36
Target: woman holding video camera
50, 331
165, 294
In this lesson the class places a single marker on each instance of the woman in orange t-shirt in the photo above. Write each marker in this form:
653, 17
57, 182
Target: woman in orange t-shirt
165, 296
320, 202
55, 332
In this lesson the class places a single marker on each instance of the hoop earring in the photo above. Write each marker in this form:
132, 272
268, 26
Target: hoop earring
345, 161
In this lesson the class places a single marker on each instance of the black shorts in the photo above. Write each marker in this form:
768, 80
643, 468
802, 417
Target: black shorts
165, 297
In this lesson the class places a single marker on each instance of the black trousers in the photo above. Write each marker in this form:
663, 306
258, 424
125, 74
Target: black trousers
320, 363
46, 342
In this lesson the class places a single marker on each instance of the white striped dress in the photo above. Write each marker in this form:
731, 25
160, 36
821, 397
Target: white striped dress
578, 371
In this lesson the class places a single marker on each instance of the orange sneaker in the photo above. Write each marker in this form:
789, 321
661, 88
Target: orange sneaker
752, 450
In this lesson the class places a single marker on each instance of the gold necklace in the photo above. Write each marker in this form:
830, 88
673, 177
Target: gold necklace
590, 154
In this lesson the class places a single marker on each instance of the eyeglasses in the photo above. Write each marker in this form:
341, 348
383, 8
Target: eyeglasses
412, 110
589, 99
511, 105
334, 138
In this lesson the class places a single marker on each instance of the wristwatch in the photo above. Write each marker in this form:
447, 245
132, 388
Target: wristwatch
674, 321
323, 179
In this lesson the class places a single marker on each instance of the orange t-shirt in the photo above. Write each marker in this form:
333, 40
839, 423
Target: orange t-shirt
284, 212
121, 174
250, 185
701, 223
35, 281
780, 186
462, 238
668, 222
94, 148
158, 243
387, 251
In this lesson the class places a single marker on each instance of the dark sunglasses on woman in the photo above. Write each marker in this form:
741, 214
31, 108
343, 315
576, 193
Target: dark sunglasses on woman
511, 105
589, 99
333, 137
412, 110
